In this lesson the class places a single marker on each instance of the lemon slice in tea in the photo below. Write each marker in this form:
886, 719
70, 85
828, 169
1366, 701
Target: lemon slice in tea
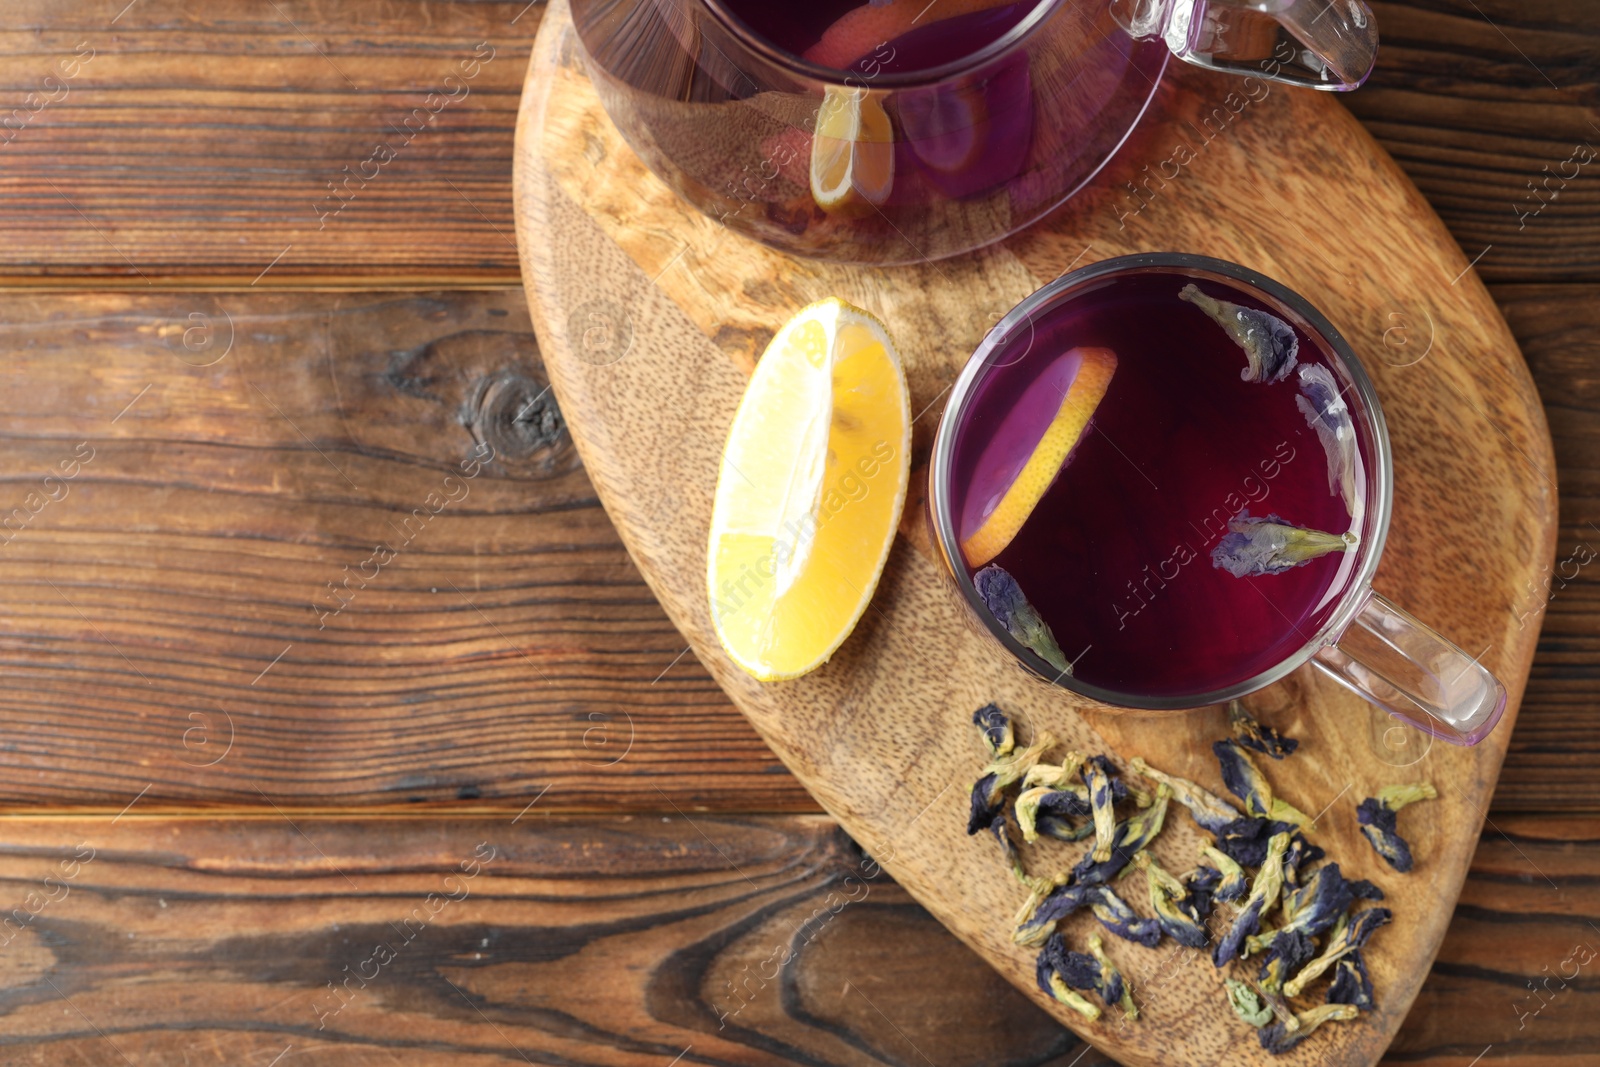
1029, 447
852, 151
809, 494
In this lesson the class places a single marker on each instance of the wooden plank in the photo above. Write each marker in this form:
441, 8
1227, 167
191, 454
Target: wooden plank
1550, 766
1480, 99
625, 942
219, 460
197, 143
167, 141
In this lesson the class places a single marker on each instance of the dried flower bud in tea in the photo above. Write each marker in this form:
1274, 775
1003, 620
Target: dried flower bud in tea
1004, 599
1045, 810
995, 726
1378, 822
1323, 405
1351, 983
1057, 970
988, 792
1098, 775
1233, 883
1047, 905
1113, 988
1256, 546
1269, 343
1255, 736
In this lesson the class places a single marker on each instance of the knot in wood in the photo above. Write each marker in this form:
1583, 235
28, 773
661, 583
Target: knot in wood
517, 415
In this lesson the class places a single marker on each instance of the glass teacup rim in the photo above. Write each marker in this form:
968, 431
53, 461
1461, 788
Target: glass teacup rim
1005, 44
1359, 587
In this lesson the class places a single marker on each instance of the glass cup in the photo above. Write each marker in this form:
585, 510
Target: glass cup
893, 161
1366, 642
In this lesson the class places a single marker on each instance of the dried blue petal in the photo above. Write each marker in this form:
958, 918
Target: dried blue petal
1290, 950
1052, 970
1245, 839
1351, 934
1301, 855
995, 726
1377, 816
1046, 907
1001, 773
1099, 775
1132, 834
1278, 1038
1247, 1004
1312, 908
1211, 812
1351, 982
1263, 894
1232, 882
1255, 546
1245, 781
1326, 412
1113, 987
1053, 808
1115, 915
1167, 895
1253, 735
1004, 599
1269, 343
1201, 884
1365, 890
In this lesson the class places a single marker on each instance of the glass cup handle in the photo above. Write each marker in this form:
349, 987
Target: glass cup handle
1323, 44
1406, 669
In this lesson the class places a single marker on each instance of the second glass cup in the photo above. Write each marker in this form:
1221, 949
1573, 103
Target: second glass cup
1164, 481
902, 130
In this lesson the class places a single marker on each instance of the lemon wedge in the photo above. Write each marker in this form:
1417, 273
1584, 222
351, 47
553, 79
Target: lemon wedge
852, 151
809, 494
1029, 448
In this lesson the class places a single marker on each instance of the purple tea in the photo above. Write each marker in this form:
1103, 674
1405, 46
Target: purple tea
1205, 520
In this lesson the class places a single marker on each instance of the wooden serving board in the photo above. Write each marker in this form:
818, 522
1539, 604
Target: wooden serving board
1291, 186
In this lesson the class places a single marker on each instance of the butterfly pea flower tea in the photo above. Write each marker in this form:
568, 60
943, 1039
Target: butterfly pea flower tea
1164, 481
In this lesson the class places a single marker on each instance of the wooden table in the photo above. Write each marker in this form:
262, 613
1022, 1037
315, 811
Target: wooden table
277, 794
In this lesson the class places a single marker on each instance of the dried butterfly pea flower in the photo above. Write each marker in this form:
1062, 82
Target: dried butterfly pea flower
1002, 772
1167, 895
1263, 894
1255, 546
1247, 1004
1045, 810
1377, 818
1351, 983
1302, 854
1233, 883
1245, 781
1326, 412
1200, 885
1210, 812
1253, 735
1115, 915
1001, 828
1350, 935
1057, 971
1004, 599
1312, 908
1245, 839
1278, 1038
1098, 775
1113, 988
995, 726
1288, 952
1063, 775
1132, 834
1047, 905
1269, 343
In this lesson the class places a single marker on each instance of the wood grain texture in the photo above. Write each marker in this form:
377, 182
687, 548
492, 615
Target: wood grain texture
1480, 99
200, 144
624, 942
880, 742
168, 623
1554, 750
